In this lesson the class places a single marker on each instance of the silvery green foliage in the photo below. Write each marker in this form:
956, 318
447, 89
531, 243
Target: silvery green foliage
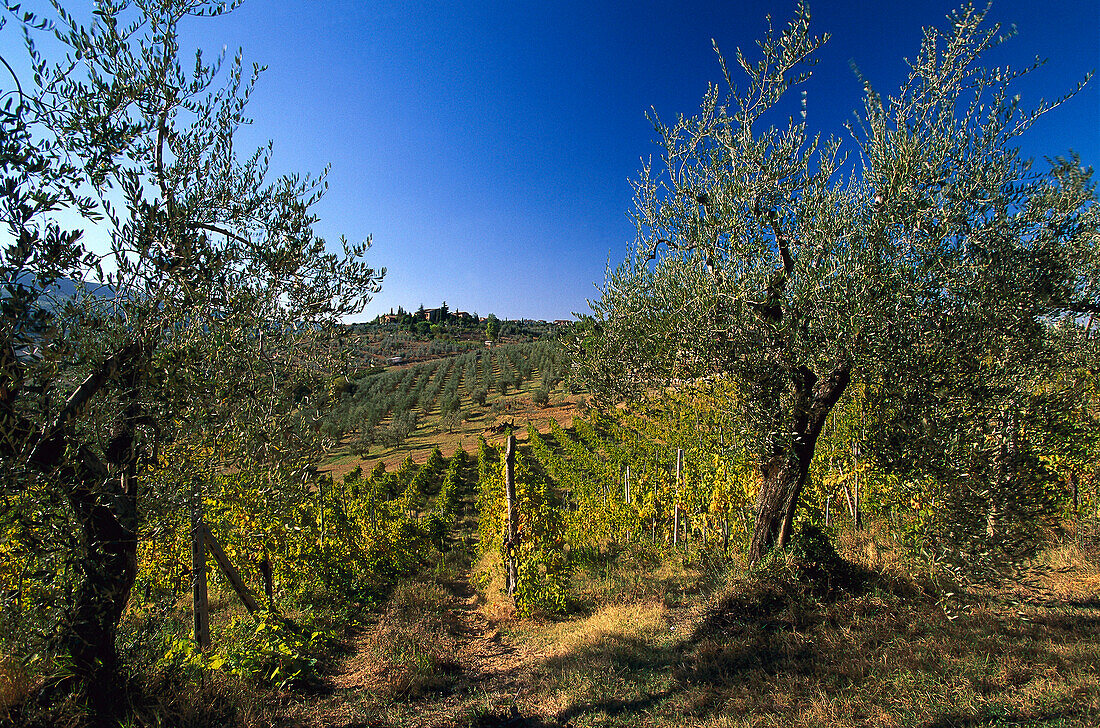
763, 248
215, 298
213, 266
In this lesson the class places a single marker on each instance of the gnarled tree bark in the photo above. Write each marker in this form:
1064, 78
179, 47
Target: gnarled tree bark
783, 474
101, 490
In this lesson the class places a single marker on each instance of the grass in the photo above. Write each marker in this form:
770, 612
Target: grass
672, 640
770, 649
16, 684
409, 648
155, 698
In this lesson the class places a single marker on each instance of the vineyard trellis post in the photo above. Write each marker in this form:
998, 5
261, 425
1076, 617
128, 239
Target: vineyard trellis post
1076, 496
512, 515
268, 575
629, 501
676, 498
199, 594
857, 514
235, 580
656, 492
321, 508
202, 541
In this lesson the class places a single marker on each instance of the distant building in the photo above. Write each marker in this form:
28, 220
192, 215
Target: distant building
432, 314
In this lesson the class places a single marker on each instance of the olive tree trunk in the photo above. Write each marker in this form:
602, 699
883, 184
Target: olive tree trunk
108, 568
783, 474
101, 490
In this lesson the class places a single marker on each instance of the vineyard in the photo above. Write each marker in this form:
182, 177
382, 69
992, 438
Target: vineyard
611, 484
601, 508
824, 452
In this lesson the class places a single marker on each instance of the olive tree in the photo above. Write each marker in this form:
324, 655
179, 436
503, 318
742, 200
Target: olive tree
194, 318
788, 263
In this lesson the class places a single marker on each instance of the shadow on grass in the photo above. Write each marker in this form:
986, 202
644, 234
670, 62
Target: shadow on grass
1046, 719
882, 653
617, 676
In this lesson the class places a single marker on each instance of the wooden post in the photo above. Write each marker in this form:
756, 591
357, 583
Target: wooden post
848, 500
512, 515
321, 502
656, 493
726, 535
201, 604
234, 577
199, 595
626, 484
268, 574
858, 515
676, 502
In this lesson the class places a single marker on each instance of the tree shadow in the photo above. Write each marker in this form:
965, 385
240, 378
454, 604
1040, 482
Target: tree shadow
768, 646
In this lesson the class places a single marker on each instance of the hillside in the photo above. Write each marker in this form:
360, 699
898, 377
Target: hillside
633, 603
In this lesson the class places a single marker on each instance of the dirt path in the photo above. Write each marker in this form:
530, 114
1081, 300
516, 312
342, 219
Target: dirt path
477, 684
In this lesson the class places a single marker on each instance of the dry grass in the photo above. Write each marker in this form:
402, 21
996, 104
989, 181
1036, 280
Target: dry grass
611, 624
654, 646
637, 574
488, 577
16, 684
770, 651
409, 650
1073, 573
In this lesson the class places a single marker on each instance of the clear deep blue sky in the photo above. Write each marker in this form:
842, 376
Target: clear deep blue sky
488, 146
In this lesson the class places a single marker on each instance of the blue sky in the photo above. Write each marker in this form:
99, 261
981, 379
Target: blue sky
488, 146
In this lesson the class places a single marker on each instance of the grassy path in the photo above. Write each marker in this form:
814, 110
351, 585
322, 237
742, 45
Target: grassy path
433, 659
656, 641
434, 656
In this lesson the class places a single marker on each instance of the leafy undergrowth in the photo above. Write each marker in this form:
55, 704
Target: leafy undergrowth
154, 698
